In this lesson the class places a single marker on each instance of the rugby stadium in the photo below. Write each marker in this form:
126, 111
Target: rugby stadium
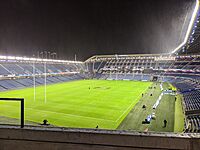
147, 95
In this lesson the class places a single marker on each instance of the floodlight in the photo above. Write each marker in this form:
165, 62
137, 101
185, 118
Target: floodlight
189, 27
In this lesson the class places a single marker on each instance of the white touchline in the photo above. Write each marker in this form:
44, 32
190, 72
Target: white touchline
129, 107
73, 115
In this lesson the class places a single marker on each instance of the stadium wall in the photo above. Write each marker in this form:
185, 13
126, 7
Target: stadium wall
32, 138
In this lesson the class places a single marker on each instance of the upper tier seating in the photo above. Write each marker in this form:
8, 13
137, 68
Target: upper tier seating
15, 75
8, 68
10, 84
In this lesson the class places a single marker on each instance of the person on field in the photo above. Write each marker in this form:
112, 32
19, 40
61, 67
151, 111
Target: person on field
45, 122
165, 123
144, 106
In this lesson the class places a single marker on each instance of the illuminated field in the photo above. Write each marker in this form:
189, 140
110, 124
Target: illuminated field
168, 109
85, 103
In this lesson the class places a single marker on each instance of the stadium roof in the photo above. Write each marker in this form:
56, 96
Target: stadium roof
190, 27
36, 59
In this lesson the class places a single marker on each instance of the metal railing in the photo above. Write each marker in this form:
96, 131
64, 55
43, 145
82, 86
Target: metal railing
22, 107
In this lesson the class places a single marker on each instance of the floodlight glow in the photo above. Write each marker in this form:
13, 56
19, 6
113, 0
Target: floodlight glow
24, 58
33, 59
2, 57
189, 27
10, 57
18, 58
37, 59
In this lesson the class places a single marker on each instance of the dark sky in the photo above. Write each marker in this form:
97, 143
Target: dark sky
89, 27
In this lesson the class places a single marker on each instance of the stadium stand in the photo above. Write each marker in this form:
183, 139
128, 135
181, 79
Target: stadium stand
183, 71
18, 73
193, 123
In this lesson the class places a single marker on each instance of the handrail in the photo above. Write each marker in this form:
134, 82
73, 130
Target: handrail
22, 107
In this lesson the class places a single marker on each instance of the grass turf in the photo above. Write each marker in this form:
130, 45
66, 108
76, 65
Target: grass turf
167, 109
179, 115
84, 103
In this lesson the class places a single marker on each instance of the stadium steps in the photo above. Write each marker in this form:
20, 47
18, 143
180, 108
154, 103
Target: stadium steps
2, 88
7, 85
53, 79
15, 84
22, 83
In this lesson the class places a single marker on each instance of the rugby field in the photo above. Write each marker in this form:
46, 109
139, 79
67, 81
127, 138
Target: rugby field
83, 103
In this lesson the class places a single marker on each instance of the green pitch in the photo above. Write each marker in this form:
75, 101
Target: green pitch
168, 108
84, 104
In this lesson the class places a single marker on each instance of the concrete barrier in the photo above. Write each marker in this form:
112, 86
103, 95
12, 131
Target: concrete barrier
36, 138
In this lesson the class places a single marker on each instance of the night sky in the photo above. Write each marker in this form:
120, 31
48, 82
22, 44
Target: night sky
89, 27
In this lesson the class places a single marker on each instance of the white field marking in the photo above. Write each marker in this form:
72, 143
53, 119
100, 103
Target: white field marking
158, 101
129, 106
126, 110
73, 115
